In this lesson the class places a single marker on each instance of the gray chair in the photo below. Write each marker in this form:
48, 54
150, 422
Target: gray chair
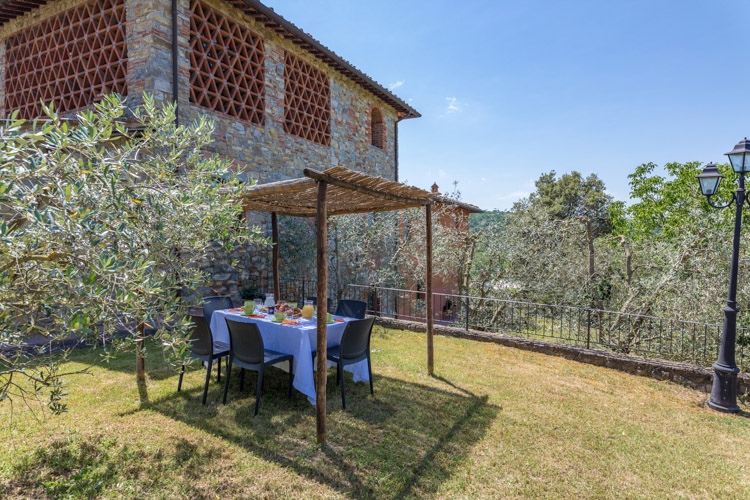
352, 308
354, 347
246, 351
215, 303
204, 348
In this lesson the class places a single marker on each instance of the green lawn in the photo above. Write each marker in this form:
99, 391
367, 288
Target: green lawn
495, 422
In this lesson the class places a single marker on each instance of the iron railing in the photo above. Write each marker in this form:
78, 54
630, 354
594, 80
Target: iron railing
291, 289
650, 336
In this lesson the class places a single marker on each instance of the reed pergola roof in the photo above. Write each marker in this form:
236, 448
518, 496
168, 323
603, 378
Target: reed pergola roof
338, 191
349, 192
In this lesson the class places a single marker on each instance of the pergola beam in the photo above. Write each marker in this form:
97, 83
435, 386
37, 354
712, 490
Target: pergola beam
281, 187
330, 179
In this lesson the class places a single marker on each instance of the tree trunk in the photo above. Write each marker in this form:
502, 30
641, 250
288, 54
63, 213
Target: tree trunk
140, 359
645, 308
595, 298
465, 279
628, 266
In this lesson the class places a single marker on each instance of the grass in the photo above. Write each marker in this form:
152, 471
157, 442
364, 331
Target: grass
494, 422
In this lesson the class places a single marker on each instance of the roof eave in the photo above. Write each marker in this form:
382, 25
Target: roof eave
322, 52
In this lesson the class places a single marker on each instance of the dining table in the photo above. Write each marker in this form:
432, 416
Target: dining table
298, 340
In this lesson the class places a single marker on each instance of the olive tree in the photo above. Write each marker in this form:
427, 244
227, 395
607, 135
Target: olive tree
101, 226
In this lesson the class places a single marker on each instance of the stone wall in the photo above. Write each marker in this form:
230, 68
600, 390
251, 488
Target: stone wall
690, 375
265, 152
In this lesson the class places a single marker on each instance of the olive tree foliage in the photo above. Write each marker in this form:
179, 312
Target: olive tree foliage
388, 248
665, 254
547, 243
100, 228
379, 249
674, 248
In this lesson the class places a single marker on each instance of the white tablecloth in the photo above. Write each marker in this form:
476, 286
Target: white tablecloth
296, 340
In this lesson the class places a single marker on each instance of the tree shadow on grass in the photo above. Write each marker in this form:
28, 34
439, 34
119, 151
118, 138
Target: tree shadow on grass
407, 440
78, 466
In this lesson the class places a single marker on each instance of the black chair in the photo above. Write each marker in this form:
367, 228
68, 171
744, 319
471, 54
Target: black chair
354, 347
204, 348
215, 303
247, 351
351, 308
315, 303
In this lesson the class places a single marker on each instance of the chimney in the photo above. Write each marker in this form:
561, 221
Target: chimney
434, 187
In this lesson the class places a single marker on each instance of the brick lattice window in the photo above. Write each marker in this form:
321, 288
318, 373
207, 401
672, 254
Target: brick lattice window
71, 59
226, 65
377, 129
307, 104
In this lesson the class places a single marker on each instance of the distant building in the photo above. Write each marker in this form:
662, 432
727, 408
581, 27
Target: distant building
452, 214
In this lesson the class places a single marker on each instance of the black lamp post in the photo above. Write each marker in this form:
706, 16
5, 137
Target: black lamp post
724, 390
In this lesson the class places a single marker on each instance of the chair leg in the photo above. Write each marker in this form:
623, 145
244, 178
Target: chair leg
208, 378
291, 378
369, 371
179, 383
340, 369
218, 371
242, 379
338, 372
226, 382
258, 390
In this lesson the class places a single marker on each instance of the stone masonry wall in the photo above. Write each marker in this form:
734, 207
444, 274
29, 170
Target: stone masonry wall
266, 153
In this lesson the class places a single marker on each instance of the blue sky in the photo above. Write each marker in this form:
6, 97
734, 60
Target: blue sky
509, 90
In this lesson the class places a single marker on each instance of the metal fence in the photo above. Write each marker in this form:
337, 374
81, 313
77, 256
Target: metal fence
664, 338
291, 289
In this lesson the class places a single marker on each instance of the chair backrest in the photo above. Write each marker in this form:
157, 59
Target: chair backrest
352, 308
245, 341
201, 340
315, 302
211, 304
356, 338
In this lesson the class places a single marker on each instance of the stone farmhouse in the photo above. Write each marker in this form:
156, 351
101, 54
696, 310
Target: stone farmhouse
280, 99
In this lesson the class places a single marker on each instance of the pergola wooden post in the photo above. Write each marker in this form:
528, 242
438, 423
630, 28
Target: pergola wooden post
322, 326
338, 191
428, 287
275, 255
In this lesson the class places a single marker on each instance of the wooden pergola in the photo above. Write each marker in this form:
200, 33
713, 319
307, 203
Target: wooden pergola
338, 191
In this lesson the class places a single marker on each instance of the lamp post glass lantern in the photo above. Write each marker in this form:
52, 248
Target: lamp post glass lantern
709, 180
739, 157
724, 389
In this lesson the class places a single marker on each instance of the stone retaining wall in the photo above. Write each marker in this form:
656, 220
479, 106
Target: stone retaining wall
689, 375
